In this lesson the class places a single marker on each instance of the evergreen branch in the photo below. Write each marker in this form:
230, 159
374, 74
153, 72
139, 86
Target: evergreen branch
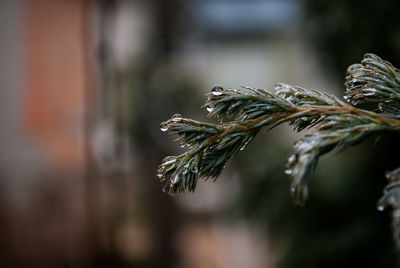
374, 81
212, 145
242, 113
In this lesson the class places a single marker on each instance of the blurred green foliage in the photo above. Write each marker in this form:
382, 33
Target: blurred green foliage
342, 31
339, 226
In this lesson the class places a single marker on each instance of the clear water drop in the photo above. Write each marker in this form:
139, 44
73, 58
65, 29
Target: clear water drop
195, 169
388, 174
380, 207
175, 179
164, 126
167, 161
288, 171
159, 175
246, 143
217, 93
186, 169
217, 90
210, 109
169, 158
292, 159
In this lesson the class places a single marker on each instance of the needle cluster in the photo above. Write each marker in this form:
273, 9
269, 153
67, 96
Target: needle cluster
336, 123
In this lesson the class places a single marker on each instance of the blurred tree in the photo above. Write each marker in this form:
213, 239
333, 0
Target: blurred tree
150, 75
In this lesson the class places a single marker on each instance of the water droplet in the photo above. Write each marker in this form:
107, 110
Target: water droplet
217, 90
288, 172
195, 169
381, 207
176, 116
292, 159
388, 174
167, 161
186, 169
217, 93
210, 109
175, 179
164, 126
293, 189
354, 103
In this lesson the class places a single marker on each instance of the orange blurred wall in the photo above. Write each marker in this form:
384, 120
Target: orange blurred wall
55, 78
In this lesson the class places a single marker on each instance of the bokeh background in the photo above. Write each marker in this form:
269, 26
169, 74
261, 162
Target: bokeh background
84, 86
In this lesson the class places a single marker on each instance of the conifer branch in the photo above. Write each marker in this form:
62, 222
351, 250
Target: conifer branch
212, 145
337, 124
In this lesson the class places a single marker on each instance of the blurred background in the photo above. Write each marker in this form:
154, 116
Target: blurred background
84, 86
